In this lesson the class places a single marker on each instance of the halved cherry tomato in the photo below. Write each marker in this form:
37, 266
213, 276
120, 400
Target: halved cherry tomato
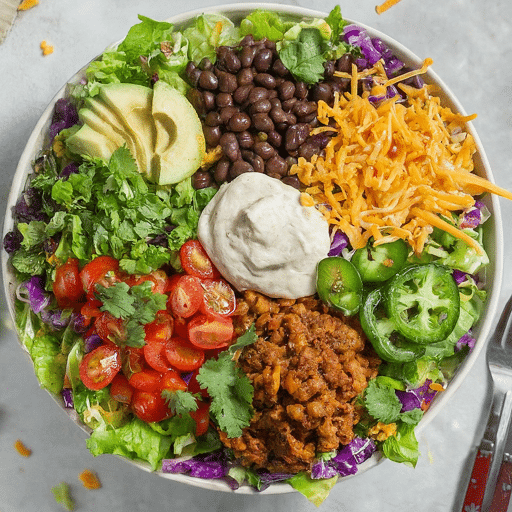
133, 360
102, 270
196, 262
146, 380
91, 309
183, 356
171, 380
210, 331
120, 389
186, 297
171, 282
158, 278
150, 406
67, 285
160, 329
154, 353
181, 327
100, 366
110, 329
202, 417
218, 297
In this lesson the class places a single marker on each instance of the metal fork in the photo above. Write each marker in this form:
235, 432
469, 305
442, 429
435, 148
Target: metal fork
490, 452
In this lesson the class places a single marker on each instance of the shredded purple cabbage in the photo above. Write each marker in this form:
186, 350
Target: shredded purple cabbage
416, 398
466, 340
12, 241
339, 242
71, 168
346, 461
210, 466
91, 342
64, 116
38, 298
56, 318
459, 276
30, 206
471, 218
67, 396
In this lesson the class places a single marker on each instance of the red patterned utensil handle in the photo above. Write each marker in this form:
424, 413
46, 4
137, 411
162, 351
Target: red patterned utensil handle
477, 482
501, 497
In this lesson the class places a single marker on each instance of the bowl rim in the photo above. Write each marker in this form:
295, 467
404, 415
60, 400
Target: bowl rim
495, 231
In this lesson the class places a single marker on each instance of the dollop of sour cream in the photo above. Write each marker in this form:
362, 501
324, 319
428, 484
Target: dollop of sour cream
261, 238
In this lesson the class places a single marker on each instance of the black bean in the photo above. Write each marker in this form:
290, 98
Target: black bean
239, 167
255, 160
262, 122
239, 122
307, 150
293, 181
212, 135
271, 45
227, 113
197, 100
276, 165
221, 171
264, 149
247, 55
275, 103
224, 99
288, 104
329, 69
295, 136
257, 93
230, 61
260, 106
301, 90
230, 147
245, 76
227, 81
212, 119
205, 64
304, 108
322, 91
286, 90
344, 63
272, 93
274, 138
248, 40
245, 140
209, 100
263, 60
279, 68
192, 73
208, 80
242, 93
321, 139
265, 80
278, 115
201, 179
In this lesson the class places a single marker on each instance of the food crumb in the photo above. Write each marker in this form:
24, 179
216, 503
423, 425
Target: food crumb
385, 6
62, 495
27, 4
47, 48
89, 479
22, 449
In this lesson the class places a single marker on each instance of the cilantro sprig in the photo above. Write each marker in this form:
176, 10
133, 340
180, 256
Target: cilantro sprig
136, 305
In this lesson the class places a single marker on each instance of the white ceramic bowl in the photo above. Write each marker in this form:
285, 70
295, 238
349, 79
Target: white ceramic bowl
493, 238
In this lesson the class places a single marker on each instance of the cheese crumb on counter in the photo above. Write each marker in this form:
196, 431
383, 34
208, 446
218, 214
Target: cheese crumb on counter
89, 479
27, 4
22, 449
47, 48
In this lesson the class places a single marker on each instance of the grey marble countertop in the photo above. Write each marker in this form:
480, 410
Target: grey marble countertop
470, 42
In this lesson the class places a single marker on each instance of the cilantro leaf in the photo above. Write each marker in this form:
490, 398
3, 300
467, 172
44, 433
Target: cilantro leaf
382, 402
304, 56
245, 339
231, 392
117, 300
179, 401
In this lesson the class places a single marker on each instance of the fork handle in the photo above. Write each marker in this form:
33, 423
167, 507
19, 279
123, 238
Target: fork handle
502, 491
478, 480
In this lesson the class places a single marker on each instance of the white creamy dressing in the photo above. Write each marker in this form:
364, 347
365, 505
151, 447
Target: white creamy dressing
261, 238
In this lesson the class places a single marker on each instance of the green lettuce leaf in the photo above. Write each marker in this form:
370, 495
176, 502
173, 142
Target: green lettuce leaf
316, 491
49, 362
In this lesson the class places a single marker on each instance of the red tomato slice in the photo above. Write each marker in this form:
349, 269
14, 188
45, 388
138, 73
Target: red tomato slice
202, 417
100, 366
183, 356
158, 278
194, 387
196, 262
171, 282
160, 329
132, 360
146, 380
218, 297
109, 328
67, 286
154, 353
91, 309
180, 327
120, 389
210, 331
102, 270
150, 407
172, 381
186, 297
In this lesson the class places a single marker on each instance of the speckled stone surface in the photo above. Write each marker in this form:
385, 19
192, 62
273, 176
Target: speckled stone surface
470, 43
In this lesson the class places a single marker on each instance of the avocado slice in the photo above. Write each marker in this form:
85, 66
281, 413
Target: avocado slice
179, 142
88, 141
132, 105
97, 123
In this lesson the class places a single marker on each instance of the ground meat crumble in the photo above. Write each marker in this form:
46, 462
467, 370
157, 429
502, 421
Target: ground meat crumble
307, 366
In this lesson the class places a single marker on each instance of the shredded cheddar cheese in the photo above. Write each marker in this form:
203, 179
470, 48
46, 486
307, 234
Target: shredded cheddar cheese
435, 386
22, 449
89, 479
47, 48
392, 169
385, 6
27, 4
